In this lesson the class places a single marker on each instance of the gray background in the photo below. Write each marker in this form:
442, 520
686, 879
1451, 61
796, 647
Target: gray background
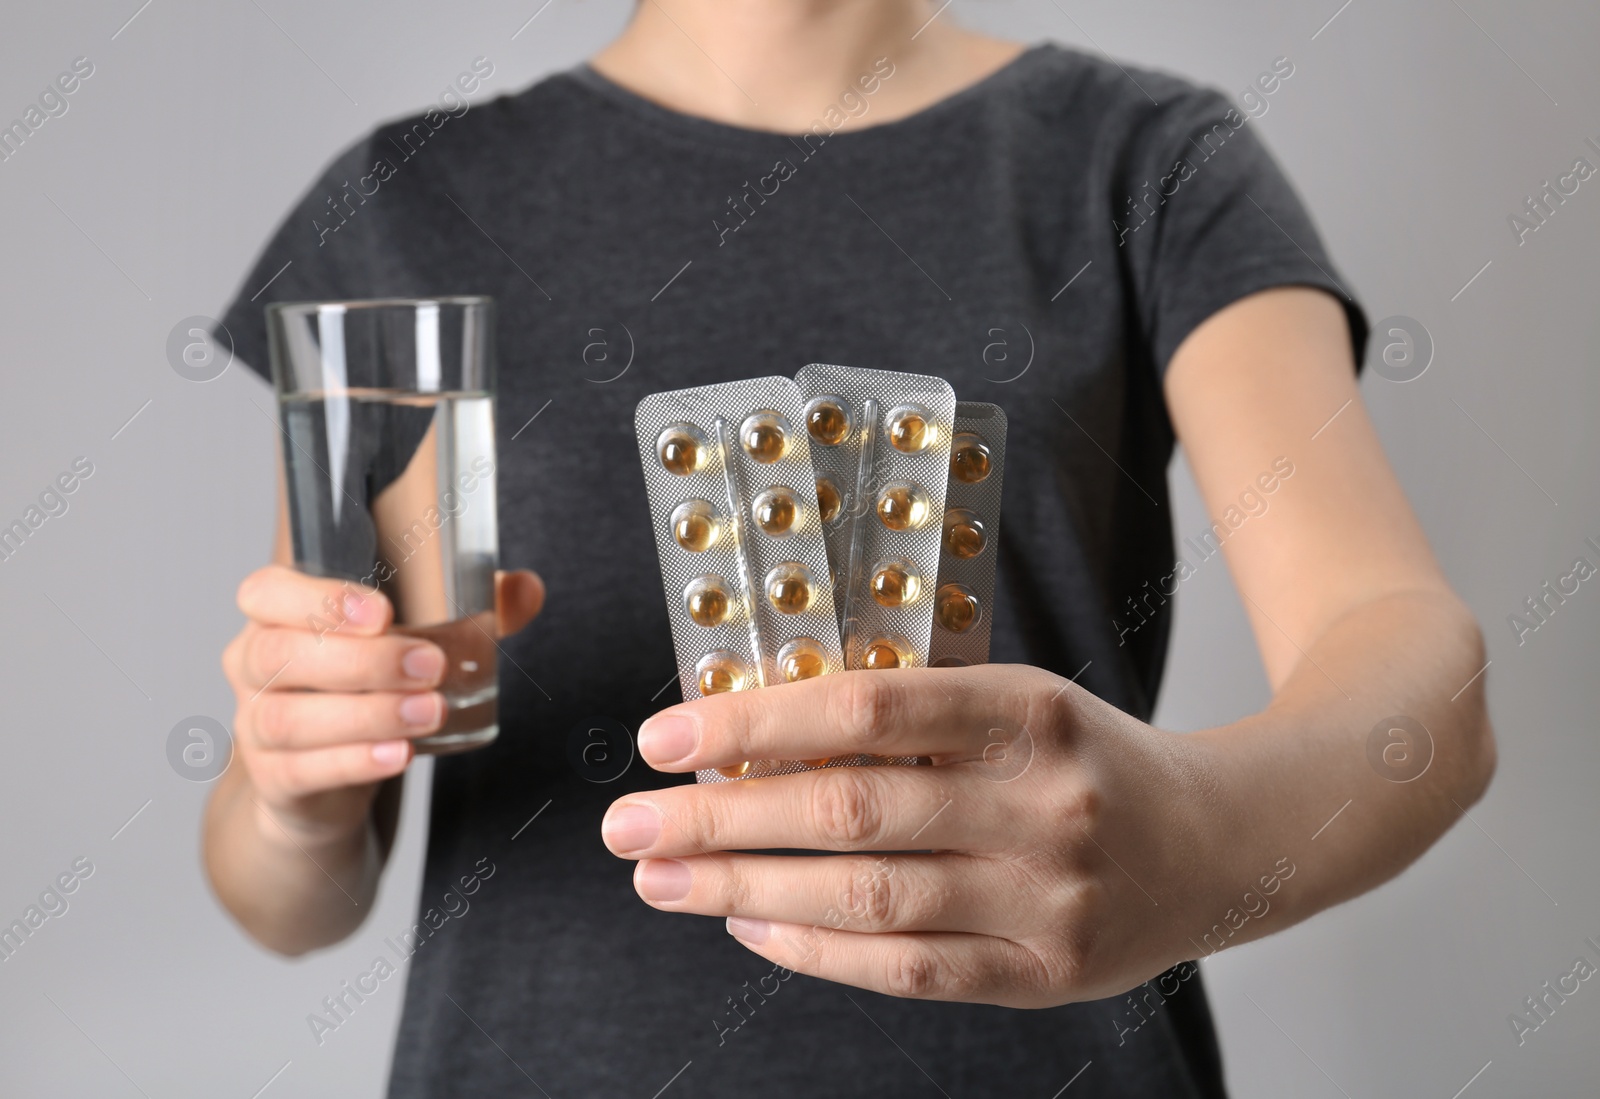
1412, 132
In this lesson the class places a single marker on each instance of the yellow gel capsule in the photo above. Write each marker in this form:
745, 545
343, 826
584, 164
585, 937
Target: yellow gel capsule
708, 601
882, 653
694, 525
894, 583
775, 510
952, 662
719, 672
802, 666
910, 430
789, 588
681, 449
764, 437
828, 500
964, 535
827, 421
735, 770
800, 659
902, 507
955, 607
823, 762
969, 458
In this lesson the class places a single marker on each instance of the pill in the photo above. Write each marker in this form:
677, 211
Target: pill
764, 437
775, 510
721, 671
789, 587
902, 507
955, 607
963, 533
735, 770
951, 662
885, 652
910, 429
800, 659
827, 420
682, 449
694, 525
708, 601
823, 762
895, 582
969, 458
828, 500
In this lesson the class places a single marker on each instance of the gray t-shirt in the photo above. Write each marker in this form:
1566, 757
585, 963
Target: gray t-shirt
1044, 239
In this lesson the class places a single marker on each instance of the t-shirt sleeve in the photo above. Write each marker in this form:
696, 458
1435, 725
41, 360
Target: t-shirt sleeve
320, 251
1209, 218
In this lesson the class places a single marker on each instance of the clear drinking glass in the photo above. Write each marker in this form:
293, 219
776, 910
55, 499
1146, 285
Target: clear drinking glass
387, 410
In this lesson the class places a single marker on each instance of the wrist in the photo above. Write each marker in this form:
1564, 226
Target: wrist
1244, 864
285, 829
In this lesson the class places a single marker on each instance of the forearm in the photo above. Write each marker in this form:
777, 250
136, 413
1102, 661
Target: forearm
291, 892
1297, 781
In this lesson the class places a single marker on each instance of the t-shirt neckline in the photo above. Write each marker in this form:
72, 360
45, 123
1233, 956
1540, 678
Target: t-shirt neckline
592, 80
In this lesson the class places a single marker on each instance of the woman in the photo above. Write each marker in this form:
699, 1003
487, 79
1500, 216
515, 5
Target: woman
737, 189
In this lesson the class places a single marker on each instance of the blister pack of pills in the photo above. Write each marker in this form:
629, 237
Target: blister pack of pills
963, 601
881, 444
734, 506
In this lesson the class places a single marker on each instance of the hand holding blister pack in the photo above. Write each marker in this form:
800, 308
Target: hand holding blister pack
881, 444
845, 520
734, 505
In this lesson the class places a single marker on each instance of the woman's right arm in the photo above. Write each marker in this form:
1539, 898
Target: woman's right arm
300, 824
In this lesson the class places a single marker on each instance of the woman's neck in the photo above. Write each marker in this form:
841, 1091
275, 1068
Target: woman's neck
781, 64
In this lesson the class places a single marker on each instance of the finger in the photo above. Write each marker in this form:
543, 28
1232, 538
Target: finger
281, 596
287, 658
298, 720
836, 809
519, 597
871, 894
281, 776
938, 966
945, 713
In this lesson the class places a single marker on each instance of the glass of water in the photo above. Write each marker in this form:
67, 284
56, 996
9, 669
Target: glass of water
387, 411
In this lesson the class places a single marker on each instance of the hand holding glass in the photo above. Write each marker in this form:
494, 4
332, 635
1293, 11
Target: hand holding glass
387, 409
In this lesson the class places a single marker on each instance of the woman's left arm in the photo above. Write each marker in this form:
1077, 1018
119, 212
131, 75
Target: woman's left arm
1061, 850
1377, 667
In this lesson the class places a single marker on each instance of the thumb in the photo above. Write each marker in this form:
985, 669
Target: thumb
518, 598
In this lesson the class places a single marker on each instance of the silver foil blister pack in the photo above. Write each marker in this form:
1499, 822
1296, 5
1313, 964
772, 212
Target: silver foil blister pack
963, 601
734, 506
881, 444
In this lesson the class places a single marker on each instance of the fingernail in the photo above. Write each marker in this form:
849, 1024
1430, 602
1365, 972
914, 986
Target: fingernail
420, 711
359, 611
754, 932
423, 662
663, 880
668, 738
389, 753
631, 828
